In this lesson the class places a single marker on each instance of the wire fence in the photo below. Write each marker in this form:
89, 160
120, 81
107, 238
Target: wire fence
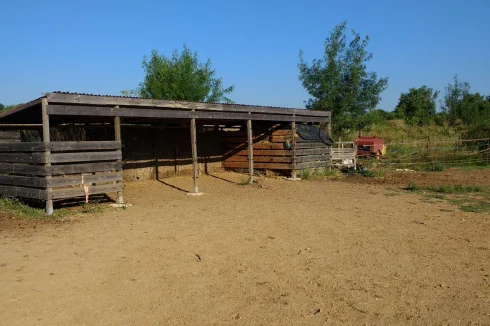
436, 154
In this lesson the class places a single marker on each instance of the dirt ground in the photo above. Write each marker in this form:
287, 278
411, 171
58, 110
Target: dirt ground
275, 253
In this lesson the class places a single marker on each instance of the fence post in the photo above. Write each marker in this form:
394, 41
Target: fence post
47, 154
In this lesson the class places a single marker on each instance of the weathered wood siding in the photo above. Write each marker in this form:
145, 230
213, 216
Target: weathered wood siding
274, 150
23, 173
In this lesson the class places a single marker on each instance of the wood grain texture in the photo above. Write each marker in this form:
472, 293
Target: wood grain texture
23, 192
79, 192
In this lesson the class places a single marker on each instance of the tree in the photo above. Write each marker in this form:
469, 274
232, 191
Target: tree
462, 105
453, 99
2, 107
181, 78
340, 82
418, 106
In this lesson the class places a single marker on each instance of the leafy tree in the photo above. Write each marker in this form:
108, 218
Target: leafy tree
181, 77
418, 106
340, 82
2, 107
462, 105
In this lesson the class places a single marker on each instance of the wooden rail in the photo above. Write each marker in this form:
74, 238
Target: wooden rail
274, 151
24, 171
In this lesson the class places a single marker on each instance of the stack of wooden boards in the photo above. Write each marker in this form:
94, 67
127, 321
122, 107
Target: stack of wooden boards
54, 170
274, 150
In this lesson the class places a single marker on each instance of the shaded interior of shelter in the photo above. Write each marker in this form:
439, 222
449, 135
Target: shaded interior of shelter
154, 149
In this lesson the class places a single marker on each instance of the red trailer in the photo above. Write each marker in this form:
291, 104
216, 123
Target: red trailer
370, 146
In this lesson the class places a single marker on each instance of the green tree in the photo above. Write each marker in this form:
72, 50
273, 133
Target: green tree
461, 105
418, 106
181, 77
340, 82
453, 99
2, 107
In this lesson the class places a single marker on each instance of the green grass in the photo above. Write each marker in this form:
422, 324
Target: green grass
474, 199
18, 209
316, 174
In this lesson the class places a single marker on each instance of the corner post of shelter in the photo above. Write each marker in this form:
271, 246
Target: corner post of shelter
329, 134
195, 172
117, 137
47, 155
250, 151
293, 131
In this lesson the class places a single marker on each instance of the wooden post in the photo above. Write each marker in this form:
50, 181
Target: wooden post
194, 154
250, 152
117, 137
329, 134
47, 153
293, 131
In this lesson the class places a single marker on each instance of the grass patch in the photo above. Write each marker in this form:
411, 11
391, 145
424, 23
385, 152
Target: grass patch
412, 187
315, 174
436, 167
391, 194
19, 209
457, 189
474, 199
447, 210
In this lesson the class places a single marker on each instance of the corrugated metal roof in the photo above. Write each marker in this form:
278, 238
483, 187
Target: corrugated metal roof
120, 96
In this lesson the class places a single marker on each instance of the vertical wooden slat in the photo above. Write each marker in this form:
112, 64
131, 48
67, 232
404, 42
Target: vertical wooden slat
293, 131
250, 152
195, 173
47, 153
329, 134
117, 137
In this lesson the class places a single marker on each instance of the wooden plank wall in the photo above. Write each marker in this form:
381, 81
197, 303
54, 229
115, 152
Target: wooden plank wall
23, 174
273, 151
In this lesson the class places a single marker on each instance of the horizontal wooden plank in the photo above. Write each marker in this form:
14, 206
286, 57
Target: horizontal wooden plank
261, 159
312, 151
136, 102
317, 164
79, 191
311, 158
22, 147
65, 146
87, 179
283, 139
261, 145
282, 132
100, 111
26, 169
84, 168
23, 192
306, 145
17, 180
267, 166
263, 152
22, 157
85, 156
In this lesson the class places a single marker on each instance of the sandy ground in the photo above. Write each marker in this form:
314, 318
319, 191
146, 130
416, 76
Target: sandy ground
276, 253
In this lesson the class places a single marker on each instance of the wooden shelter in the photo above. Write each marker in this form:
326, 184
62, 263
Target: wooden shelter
242, 136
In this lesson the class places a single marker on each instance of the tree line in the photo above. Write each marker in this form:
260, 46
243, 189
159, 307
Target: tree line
339, 82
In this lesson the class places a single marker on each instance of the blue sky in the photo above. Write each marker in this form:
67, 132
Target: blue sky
97, 46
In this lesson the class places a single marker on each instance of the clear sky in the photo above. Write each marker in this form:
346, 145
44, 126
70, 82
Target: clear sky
97, 46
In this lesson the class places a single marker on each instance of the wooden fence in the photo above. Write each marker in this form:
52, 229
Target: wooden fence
57, 170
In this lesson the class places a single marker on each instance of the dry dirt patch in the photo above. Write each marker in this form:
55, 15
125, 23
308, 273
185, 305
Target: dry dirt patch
277, 253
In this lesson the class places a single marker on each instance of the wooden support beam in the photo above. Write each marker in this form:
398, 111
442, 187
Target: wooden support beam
250, 152
162, 113
47, 153
293, 131
195, 172
117, 137
329, 134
